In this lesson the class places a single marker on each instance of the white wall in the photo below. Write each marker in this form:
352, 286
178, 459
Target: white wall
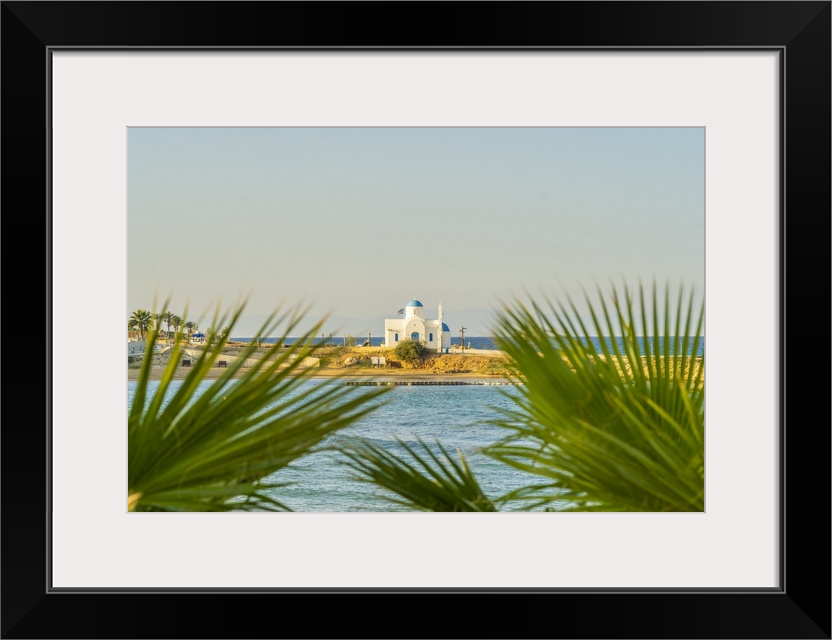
137, 347
397, 326
418, 312
404, 327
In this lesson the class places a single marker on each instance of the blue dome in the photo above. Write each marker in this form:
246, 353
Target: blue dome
445, 327
414, 303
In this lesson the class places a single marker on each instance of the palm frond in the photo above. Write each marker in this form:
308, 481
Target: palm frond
200, 445
617, 428
419, 479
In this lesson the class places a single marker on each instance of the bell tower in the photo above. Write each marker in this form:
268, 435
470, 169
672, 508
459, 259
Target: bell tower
439, 349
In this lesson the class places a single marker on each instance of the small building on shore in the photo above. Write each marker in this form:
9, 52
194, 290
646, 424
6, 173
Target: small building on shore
138, 347
433, 333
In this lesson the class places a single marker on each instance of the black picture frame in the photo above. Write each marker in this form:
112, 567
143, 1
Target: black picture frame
799, 608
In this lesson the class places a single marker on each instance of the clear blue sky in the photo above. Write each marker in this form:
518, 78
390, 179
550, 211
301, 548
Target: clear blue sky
357, 221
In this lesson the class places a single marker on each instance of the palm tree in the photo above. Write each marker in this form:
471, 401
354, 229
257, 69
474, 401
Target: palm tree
166, 317
158, 319
140, 321
176, 321
212, 450
191, 327
212, 335
612, 426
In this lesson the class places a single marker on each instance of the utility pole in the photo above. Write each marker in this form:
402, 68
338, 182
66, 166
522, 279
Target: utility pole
462, 332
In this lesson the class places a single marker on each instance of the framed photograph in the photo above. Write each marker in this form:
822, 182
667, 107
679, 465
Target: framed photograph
90, 88
359, 217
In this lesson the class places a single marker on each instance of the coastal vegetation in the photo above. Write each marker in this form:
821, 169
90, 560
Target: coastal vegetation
191, 328
593, 431
160, 318
606, 425
195, 445
410, 351
430, 480
141, 321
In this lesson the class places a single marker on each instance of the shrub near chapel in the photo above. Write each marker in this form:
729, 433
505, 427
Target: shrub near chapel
409, 351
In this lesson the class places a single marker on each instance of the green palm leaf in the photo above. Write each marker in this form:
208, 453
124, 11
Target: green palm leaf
419, 479
612, 429
199, 445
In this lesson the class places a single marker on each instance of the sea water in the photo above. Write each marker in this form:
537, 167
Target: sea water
458, 416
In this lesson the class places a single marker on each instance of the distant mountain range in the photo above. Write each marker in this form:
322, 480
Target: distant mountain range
478, 321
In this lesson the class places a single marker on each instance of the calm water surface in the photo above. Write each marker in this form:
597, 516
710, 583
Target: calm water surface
456, 415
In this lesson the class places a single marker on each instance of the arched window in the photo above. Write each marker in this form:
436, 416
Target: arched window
414, 336
430, 337
395, 337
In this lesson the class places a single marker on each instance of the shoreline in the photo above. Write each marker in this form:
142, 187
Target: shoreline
357, 375
352, 364
473, 367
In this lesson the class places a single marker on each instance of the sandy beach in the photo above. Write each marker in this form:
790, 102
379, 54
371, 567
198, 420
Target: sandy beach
351, 364
379, 375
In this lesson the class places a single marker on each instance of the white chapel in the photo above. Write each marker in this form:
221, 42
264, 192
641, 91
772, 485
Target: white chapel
434, 334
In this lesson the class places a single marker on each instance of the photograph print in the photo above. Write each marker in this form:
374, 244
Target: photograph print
416, 319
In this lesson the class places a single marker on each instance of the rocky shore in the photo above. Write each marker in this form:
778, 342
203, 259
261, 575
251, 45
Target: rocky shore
361, 362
